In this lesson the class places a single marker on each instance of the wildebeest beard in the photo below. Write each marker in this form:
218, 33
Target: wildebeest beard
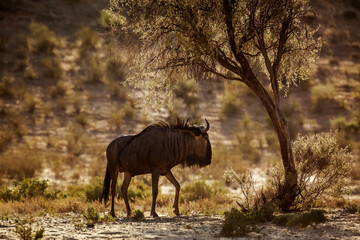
196, 161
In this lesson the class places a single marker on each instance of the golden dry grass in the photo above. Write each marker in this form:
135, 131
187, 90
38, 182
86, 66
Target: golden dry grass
35, 205
217, 204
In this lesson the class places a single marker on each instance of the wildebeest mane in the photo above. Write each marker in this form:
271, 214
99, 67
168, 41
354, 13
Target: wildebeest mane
177, 124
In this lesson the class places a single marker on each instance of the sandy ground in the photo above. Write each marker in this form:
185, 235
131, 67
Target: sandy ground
341, 225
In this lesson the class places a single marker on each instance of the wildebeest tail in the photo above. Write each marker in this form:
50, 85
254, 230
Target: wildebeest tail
106, 187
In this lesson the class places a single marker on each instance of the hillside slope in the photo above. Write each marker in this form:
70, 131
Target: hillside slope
62, 98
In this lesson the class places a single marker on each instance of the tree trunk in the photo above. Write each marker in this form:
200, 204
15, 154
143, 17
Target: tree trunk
289, 189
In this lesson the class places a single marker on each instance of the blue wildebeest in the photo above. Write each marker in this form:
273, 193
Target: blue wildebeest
156, 149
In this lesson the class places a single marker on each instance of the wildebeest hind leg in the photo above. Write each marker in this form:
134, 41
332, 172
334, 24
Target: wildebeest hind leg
172, 179
124, 190
155, 181
114, 177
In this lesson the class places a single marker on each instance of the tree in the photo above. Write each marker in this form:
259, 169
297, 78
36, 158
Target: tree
251, 41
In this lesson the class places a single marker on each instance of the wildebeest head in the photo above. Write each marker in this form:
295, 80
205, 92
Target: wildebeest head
200, 151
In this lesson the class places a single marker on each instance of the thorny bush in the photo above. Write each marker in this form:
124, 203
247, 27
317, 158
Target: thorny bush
323, 168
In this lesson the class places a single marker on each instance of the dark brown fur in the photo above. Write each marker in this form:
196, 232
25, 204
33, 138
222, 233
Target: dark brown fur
155, 150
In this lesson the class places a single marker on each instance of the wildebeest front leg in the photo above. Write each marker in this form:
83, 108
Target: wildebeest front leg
155, 181
124, 190
172, 179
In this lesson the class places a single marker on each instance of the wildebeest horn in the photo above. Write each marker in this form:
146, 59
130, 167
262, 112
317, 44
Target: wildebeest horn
187, 120
207, 127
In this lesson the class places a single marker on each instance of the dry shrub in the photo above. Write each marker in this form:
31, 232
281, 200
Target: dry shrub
138, 215
52, 67
30, 103
237, 224
13, 127
30, 73
88, 39
94, 70
118, 91
59, 90
302, 220
15, 123
321, 95
76, 139
115, 64
119, 113
94, 189
116, 117
45, 39
249, 140
199, 189
230, 105
341, 123
6, 86
323, 167
21, 161
128, 111
186, 89
251, 197
5, 139
217, 204
176, 108
82, 119
70, 160
24, 229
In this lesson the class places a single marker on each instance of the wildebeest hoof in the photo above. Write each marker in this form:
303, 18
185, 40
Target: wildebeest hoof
176, 212
154, 215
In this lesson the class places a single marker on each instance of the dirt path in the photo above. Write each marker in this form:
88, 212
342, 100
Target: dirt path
340, 226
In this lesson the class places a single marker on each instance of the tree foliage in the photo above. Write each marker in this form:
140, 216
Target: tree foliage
224, 38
